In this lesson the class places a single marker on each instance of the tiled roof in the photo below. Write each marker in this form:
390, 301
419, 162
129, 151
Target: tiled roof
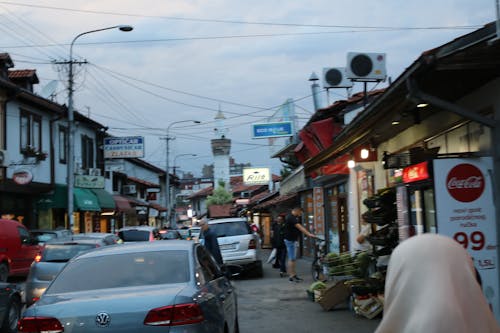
24, 74
143, 182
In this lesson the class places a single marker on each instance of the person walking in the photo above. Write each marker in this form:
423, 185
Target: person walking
278, 242
432, 287
209, 239
292, 231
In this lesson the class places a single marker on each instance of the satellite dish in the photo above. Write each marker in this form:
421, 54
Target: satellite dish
49, 89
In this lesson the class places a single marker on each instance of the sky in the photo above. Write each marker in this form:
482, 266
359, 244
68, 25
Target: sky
185, 60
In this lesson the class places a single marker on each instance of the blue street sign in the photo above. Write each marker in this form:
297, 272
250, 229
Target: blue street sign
272, 130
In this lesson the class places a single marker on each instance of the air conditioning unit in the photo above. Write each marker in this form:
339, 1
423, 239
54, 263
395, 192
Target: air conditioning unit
4, 157
366, 66
94, 172
335, 77
129, 189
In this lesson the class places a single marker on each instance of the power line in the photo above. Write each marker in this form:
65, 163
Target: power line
237, 21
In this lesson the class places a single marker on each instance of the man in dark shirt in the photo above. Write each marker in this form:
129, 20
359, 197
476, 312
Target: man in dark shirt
210, 241
292, 232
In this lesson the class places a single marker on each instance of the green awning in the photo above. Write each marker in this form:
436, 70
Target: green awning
104, 198
58, 198
85, 200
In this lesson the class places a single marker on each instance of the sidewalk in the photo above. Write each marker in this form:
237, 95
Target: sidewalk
272, 303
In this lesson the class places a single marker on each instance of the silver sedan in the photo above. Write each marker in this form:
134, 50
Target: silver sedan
173, 286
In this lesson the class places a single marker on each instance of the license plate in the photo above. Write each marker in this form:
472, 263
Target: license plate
227, 246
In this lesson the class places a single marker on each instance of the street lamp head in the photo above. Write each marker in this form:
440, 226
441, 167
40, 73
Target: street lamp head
196, 121
126, 28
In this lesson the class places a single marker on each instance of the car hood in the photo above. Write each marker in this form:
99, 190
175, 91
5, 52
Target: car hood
126, 307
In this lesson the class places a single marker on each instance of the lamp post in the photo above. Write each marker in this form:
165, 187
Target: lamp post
180, 155
71, 138
167, 176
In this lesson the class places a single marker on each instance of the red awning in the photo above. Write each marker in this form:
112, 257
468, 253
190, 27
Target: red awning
122, 204
158, 207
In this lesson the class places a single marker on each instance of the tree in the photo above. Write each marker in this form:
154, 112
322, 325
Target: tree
220, 195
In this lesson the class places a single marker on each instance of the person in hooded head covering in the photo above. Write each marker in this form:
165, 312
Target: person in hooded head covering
431, 287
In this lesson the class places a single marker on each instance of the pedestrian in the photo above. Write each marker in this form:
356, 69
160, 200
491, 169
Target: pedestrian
210, 241
292, 231
362, 243
278, 243
431, 287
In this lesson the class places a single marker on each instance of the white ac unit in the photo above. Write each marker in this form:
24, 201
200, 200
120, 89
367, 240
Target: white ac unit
335, 77
94, 172
79, 171
366, 66
129, 189
4, 159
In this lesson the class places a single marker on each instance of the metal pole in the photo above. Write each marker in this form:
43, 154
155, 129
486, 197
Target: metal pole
167, 175
71, 129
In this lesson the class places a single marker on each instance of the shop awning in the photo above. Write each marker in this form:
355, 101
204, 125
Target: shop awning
158, 207
104, 198
85, 200
122, 204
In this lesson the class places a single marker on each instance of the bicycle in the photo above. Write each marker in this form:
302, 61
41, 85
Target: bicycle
318, 269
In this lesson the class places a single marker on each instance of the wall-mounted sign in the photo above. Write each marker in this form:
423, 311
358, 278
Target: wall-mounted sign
417, 172
124, 147
22, 177
89, 181
272, 130
256, 176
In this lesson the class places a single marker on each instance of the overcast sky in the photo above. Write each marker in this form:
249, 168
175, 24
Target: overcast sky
186, 59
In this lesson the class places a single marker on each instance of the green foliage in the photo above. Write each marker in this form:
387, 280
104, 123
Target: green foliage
220, 196
317, 286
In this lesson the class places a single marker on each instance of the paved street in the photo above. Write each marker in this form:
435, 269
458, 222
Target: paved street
273, 304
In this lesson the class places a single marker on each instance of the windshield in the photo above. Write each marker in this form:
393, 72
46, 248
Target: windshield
134, 235
123, 270
63, 252
230, 228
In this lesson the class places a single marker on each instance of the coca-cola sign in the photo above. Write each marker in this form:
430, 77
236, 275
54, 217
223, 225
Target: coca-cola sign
465, 182
22, 177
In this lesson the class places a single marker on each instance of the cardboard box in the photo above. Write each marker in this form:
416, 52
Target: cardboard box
334, 294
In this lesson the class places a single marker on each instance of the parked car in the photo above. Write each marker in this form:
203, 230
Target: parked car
18, 249
140, 233
10, 307
139, 287
239, 245
185, 234
170, 234
194, 233
103, 237
45, 235
54, 256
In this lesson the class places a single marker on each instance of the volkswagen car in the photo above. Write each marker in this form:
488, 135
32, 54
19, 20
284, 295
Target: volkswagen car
173, 286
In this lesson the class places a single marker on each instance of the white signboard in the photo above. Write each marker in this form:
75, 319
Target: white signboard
466, 212
256, 176
124, 147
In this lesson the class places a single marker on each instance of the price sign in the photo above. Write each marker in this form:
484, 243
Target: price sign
465, 212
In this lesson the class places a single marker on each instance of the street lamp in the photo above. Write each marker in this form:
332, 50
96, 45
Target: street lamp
167, 181
71, 138
180, 155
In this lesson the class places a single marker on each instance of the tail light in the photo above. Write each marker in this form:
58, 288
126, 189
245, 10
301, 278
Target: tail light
174, 315
39, 325
252, 244
38, 257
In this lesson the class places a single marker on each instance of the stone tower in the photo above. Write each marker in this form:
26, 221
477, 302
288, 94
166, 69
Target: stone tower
221, 148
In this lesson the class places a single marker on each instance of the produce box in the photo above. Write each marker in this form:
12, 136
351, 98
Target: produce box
334, 294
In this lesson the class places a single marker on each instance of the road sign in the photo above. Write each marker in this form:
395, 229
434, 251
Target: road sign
272, 130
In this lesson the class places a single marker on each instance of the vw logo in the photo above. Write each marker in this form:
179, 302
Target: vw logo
102, 319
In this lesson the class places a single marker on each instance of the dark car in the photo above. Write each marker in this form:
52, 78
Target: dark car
54, 256
138, 287
10, 307
170, 234
139, 233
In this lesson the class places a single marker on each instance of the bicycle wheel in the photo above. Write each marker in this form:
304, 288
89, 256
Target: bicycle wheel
317, 271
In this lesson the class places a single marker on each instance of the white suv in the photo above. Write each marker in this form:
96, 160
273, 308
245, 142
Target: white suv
238, 244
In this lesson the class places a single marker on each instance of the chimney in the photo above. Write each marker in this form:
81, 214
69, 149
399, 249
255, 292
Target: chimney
24, 78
